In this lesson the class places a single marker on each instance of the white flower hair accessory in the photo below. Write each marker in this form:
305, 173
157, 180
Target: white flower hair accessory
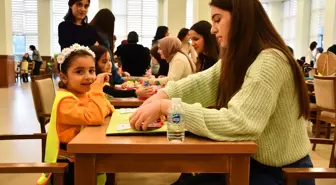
75, 47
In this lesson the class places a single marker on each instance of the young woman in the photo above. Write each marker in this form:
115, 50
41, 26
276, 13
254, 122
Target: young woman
37, 60
205, 44
103, 22
310, 59
75, 28
161, 32
184, 37
259, 91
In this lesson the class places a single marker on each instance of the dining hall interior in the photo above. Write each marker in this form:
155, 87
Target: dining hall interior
137, 62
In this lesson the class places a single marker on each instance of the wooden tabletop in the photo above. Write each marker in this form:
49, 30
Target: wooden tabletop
126, 102
94, 140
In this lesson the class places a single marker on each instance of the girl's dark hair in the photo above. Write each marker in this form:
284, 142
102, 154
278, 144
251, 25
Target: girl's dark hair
68, 61
313, 45
32, 47
104, 21
211, 48
161, 32
252, 29
69, 16
99, 51
132, 37
183, 33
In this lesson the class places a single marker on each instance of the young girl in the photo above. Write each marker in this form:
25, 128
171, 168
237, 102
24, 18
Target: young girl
104, 65
79, 102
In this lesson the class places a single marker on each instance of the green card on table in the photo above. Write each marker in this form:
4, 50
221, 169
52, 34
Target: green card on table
118, 125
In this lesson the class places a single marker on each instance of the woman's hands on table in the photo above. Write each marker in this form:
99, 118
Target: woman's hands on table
148, 113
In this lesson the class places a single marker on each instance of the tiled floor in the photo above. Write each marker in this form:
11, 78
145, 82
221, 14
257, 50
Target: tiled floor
17, 115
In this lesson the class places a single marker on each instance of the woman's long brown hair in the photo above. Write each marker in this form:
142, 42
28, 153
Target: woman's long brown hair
251, 32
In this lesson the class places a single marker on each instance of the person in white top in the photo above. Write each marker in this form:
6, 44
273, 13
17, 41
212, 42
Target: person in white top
309, 56
187, 48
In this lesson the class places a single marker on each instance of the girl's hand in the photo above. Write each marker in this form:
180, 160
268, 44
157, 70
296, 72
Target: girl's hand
144, 91
126, 74
103, 77
124, 85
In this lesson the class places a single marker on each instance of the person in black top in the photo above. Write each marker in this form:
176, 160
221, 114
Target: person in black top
332, 49
205, 45
103, 65
164, 66
103, 23
75, 28
134, 57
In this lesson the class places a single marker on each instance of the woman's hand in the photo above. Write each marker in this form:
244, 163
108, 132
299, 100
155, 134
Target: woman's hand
149, 113
158, 96
162, 76
144, 91
103, 77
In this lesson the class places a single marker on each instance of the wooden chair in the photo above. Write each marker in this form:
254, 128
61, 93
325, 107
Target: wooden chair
325, 94
57, 168
43, 69
42, 87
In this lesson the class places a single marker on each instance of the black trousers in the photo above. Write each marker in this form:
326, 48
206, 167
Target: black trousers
260, 174
37, 67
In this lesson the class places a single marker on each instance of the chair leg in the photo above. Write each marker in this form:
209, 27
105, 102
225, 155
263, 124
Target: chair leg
43, 144
317, 130
111, 179
328, 130
291, 181
58, 178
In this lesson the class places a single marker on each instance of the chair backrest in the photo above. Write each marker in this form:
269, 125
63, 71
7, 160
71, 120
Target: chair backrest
325, 92
44, 65
326, 64
43, 91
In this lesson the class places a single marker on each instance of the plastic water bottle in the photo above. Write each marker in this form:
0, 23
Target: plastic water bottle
175, 127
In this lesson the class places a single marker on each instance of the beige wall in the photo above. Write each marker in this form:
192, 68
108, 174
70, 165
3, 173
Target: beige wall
174, 15
44, 29
6, 39
330, 24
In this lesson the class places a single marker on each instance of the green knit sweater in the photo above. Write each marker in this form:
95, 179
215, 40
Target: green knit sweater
264, 110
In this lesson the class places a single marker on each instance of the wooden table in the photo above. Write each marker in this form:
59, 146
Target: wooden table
97, 153
126, 102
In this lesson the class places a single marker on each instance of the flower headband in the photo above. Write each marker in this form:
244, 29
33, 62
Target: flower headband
75, 47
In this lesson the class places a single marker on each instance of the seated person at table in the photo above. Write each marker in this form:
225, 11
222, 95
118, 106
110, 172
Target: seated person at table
180, 64
79, 102
103, 65
259, 92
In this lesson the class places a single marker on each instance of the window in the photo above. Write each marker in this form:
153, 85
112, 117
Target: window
289, 21
24, 21
266, 7
317, 21
135, 15
59, 10
189, 13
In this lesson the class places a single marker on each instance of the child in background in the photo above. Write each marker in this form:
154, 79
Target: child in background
103, 65
79, 102
24, 68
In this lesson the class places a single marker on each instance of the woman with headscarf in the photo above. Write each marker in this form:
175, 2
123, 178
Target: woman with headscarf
180, 65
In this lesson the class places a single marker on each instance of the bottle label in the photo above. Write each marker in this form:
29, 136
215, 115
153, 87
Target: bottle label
176, 118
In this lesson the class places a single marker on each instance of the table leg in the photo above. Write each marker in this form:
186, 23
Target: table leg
85, 169
239, 173
58, 178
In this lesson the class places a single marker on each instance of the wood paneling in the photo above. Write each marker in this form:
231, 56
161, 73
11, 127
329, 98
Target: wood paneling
7, 71
46, 58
